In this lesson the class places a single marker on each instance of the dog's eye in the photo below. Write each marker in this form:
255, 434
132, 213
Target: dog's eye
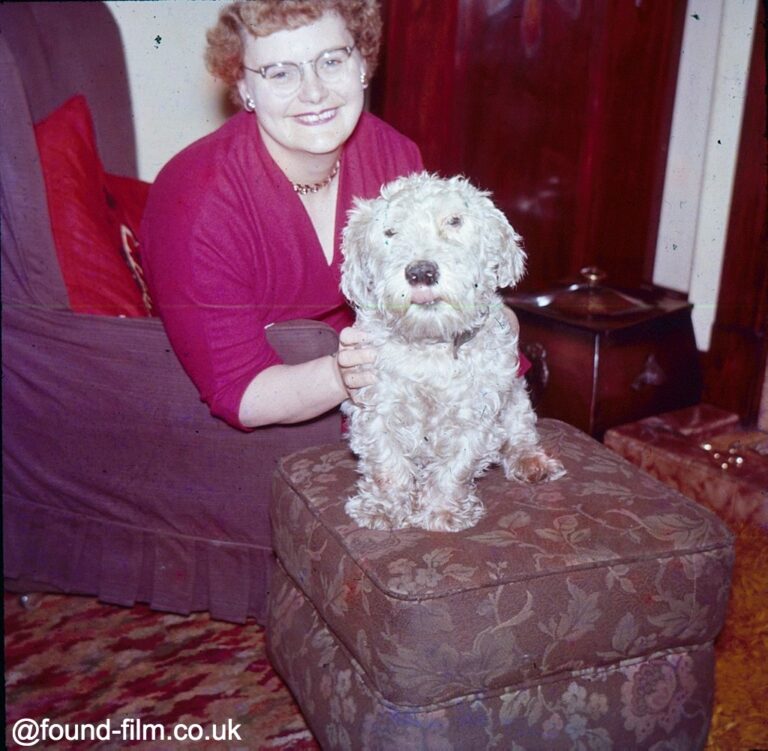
454, 221
389, 232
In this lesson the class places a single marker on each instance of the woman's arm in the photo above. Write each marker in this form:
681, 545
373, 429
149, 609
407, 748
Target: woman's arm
293, 393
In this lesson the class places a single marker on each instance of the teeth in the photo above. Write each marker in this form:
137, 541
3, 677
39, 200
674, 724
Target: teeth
317, 118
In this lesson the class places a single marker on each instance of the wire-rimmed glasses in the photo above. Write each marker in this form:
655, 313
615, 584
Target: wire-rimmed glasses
330, 66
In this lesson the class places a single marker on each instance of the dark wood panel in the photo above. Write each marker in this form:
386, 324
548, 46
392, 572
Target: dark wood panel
734, 367
561, 108
526, 120
633, 82
414, 89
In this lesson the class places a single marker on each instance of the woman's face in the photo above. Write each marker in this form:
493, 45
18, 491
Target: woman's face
319, 117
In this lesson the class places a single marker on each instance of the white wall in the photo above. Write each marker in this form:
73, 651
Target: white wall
706, 126
175, 99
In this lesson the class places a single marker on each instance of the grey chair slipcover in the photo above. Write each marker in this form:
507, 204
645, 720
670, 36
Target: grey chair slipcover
117, 482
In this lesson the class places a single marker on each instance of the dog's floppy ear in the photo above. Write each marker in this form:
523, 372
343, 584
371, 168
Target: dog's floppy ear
356, 278
507, 251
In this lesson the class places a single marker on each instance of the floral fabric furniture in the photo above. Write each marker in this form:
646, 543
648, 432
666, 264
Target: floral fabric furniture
704, 453
578, 614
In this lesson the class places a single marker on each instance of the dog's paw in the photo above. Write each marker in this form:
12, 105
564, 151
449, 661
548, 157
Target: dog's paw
373, 514
453, 518
534, 466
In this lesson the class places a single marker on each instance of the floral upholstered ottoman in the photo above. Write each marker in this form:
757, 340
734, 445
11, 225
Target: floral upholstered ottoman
577, 614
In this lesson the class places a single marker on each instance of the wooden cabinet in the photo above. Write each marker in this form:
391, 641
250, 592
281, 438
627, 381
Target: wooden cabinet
604, 357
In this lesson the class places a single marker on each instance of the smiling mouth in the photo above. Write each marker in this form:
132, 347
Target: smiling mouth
316, 118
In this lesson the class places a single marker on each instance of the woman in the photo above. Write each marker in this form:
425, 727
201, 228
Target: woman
242, 228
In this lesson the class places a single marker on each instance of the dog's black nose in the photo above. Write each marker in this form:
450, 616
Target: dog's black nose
422, 272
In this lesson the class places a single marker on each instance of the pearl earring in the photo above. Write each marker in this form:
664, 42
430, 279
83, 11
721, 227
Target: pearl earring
249, 105
363, 80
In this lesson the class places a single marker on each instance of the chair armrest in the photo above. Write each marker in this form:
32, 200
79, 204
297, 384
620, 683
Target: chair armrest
104, 408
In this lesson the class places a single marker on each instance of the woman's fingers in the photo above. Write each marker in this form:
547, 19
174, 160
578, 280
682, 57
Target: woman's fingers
352, 336
355, 360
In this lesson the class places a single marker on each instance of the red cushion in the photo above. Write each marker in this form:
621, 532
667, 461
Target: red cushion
87, 208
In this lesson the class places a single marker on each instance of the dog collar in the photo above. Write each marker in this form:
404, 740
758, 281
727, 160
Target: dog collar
467, 336
463, 338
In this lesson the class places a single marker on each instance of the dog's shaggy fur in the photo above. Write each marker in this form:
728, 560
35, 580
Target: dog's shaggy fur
422, 265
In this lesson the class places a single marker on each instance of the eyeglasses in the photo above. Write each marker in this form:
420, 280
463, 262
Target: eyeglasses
286, 78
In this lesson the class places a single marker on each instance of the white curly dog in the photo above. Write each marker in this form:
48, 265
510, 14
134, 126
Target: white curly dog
422, 265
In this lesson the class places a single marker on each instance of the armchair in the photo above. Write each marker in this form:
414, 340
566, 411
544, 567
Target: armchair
117, 482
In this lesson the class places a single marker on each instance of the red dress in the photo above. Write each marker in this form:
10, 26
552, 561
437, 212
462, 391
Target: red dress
228, 249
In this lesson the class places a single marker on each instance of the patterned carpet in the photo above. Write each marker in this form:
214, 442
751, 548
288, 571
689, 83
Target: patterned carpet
740, 721
75, 660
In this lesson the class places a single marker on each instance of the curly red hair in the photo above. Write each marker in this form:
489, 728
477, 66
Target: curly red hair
224, 55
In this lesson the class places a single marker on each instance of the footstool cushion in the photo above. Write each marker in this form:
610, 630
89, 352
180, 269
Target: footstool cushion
578, 613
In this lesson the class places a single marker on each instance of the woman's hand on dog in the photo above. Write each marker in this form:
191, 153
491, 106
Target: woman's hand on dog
355, 360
